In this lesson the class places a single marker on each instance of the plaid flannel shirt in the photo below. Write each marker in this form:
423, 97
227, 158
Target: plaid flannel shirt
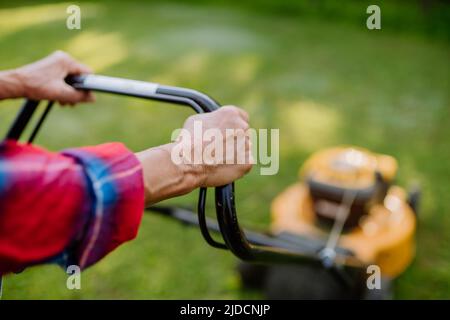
71, 207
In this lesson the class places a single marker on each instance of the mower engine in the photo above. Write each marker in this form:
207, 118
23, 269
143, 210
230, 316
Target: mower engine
330, 173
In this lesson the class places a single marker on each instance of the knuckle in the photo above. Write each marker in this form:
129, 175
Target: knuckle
191, 119
239, 125
59, 54
63, 57
244, 124
232, 110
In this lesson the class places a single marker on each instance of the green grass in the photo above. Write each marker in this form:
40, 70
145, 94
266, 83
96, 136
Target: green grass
322, 82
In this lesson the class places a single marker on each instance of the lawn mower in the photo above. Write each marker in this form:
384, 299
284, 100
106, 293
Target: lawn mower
342, 216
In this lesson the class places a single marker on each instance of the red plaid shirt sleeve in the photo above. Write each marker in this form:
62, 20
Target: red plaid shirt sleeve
71, 207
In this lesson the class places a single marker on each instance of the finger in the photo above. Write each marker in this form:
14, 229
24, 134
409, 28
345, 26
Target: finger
90, 97
242, 124
75, 67
243, 114
71, 65
238, 111
69, 95
86, 96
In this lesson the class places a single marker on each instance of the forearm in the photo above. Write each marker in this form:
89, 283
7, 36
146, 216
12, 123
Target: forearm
11, 85
163, 178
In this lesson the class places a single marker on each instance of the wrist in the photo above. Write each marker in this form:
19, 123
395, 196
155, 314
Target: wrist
193, 174
12, 84
163, 178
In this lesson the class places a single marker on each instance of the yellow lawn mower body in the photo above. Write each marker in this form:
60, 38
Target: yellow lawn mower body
381, 223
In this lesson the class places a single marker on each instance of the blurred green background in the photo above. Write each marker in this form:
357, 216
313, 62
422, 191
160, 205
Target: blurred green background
310, 68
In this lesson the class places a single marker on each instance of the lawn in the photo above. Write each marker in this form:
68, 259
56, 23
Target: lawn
322, 82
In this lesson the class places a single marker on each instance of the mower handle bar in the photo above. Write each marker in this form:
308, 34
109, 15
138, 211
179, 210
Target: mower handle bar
232, 234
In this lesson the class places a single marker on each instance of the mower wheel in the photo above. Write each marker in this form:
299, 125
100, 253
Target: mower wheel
253, 276
289, 282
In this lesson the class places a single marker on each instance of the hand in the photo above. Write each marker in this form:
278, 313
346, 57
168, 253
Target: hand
44, 79
225, 169
165, 179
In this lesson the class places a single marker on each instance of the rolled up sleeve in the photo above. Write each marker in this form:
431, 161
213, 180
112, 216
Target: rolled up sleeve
71, 207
